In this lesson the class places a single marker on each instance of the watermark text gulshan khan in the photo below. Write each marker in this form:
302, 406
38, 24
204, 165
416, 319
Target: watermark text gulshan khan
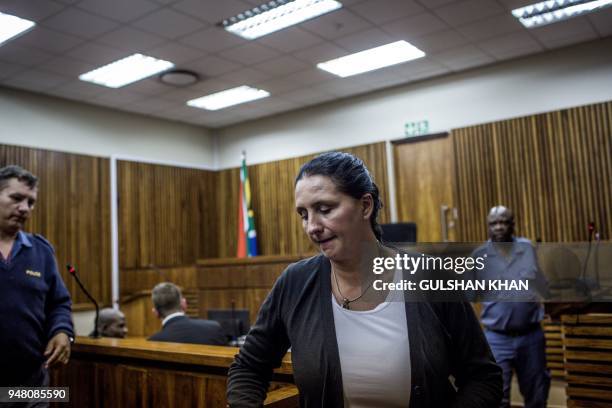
459, 265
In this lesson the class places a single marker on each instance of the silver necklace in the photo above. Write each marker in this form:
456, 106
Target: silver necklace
346, 301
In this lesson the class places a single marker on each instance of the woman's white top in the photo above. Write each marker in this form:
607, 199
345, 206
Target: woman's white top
374, 354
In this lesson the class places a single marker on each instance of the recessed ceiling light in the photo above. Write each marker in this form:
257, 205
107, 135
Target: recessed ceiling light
374, 58
551, 11
125, 71
276, 15
11, 26
228, 97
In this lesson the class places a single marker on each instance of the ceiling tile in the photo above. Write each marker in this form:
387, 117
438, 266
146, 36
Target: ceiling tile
463, 58
129, 39
13, 53
118, 97
440, 41
212, 39
364, 40
566, 41
382, 11
602, 20
213, 11
211, 66
48, 40
79, 23
322, 52
574, 27
67, 66
512, 4
491, 27
412, 27
211, 86
245, 76
97, 54
151, 105
432, 73
282, 65
418, 68
34, 10
150, 86
336, 24
82, 89
168, 23
306, 96
457, 14
120, 10
511, 45
435, 3
279, 85
38, 78
310, 76
7, 69
290, 39
177, 53
341, 88
250, 53
182, 95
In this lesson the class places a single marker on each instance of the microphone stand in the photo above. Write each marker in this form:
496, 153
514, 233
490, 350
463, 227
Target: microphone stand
72, 270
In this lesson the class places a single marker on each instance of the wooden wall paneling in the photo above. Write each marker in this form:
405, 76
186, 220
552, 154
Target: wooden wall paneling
72, 212
552, 169
279, 229
167, 215
135, 280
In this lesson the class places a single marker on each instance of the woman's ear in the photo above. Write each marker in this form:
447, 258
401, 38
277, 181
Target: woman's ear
367, 205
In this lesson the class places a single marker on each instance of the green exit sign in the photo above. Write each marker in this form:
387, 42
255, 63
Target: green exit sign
416, 128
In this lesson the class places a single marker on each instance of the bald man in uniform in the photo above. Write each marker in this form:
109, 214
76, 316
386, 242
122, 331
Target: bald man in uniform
513, 328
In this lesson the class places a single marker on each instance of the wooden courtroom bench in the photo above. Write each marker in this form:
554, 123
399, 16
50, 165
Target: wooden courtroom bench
134, 372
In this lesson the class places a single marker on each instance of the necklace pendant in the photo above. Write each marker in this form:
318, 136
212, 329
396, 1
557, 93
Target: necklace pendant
345, 303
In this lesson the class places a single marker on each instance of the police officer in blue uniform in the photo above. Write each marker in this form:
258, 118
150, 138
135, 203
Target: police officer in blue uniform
35, 323
512, 325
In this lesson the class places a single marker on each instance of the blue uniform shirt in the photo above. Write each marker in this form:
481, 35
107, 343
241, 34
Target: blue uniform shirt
520, 264
34, 306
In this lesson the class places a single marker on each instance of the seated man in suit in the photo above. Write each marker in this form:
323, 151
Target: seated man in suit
170, 305
111, 323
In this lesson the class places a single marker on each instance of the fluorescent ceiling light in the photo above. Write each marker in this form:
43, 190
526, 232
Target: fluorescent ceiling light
551, 11
228, 97
12, 26
276, 15
125, 71
374, 58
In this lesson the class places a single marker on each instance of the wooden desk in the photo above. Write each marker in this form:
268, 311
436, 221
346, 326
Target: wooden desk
134, 372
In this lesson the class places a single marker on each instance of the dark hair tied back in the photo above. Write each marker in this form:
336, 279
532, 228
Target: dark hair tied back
350, 176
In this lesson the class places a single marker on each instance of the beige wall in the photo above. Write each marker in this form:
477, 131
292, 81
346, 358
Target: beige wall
56, 124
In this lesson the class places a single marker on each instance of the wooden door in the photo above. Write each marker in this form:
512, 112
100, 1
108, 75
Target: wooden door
424, 186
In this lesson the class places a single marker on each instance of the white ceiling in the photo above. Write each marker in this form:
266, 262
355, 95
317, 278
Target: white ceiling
75, 36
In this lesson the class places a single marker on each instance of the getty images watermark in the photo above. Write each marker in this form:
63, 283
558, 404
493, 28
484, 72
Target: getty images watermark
459, 265
515, 272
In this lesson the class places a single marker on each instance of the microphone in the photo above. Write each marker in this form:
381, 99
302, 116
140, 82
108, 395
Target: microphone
72, 271
591, 230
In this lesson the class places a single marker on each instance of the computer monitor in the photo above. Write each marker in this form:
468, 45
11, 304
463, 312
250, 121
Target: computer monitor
234, 322
400, 232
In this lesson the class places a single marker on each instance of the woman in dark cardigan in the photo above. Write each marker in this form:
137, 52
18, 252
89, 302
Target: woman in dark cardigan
351, 345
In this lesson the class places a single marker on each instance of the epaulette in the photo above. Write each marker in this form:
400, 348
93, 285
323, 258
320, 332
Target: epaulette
44, 241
